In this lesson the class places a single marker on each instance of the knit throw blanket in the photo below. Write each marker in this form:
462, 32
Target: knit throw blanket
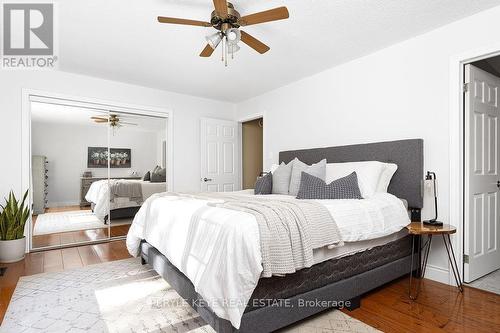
122, 188
290, 229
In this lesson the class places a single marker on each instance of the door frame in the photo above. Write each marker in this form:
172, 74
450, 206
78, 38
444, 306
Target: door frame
240, 141
89, 102
457, 143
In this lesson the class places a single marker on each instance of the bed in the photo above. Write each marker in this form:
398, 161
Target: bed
339, 276
122, 206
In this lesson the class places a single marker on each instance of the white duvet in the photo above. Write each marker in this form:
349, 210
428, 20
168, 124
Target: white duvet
98, 194
219, 249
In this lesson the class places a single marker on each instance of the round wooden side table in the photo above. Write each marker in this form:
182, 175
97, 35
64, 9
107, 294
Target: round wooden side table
418, 230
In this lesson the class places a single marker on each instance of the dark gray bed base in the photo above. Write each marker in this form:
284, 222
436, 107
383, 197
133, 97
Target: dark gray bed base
271, 318
119, 213
122, 213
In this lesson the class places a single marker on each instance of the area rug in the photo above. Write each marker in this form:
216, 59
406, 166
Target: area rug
122, 296
490, 282
51, 223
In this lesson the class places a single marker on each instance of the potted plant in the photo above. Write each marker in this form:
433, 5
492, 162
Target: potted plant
12, 221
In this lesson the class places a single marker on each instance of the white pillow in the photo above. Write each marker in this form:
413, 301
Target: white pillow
368, 173
386, 176
274, 167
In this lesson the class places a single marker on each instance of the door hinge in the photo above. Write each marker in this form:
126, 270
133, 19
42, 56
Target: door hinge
466, 259
465, 87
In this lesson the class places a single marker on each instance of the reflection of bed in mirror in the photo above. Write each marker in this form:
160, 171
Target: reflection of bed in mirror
121, 197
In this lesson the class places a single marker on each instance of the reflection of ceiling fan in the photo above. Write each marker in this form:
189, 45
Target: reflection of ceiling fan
228, 21
113, 120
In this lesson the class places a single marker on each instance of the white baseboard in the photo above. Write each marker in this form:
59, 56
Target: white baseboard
438, 274
63, 204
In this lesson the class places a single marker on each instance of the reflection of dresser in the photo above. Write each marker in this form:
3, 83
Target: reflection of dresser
40, 188
85, 183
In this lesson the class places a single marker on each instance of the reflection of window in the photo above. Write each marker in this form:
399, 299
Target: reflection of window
164, 154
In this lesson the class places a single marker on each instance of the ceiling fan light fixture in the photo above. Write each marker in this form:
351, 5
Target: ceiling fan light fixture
233, 36
214, 40
233, 48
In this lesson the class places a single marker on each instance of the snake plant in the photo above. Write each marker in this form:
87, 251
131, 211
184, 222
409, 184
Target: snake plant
13, 217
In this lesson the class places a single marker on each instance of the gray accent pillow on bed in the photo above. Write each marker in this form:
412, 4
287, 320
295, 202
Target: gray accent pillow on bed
315, 188
147, 176
317, 170
281, 178
159, 176
264, 184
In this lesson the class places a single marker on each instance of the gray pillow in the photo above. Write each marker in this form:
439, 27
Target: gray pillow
264, 184
317, 170
159, 176
147, 176
315, 188
281, 178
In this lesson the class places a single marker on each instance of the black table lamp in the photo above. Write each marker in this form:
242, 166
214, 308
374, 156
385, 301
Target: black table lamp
434, 221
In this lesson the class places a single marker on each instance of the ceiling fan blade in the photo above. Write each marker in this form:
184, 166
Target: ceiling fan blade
221, 7
254, 43
99, 118
174, 20
275, 14
207, 51
101, 121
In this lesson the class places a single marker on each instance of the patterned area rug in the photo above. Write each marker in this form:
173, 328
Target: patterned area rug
490, 282
50, 223
122, 296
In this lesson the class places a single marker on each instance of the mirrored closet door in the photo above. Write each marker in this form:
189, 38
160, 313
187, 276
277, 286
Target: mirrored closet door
61, 183
137, 166
92, 169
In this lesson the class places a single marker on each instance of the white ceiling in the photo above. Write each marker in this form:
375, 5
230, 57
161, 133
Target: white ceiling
121, 40
71, 115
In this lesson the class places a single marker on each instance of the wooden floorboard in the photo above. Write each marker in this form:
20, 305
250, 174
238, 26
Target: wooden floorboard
439, 307
73, 237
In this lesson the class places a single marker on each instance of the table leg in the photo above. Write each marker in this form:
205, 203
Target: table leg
453, 261
422, 264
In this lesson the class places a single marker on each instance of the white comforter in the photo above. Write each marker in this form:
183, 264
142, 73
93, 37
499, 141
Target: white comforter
219, 249
98, 194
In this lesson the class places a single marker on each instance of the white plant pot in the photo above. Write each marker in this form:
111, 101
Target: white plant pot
12, 250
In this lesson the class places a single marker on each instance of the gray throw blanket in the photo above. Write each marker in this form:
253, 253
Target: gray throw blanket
290, 229
126, 189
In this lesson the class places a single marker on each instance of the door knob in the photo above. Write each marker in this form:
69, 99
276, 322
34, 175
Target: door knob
210, 179
498, 183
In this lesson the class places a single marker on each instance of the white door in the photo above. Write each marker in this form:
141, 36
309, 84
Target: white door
482, 232
219, 155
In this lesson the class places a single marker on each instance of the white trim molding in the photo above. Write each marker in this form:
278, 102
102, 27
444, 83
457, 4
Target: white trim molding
456, 111
29, 95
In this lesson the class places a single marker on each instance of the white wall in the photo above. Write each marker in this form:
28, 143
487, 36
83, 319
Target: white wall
187, 112
396, 93
68, 158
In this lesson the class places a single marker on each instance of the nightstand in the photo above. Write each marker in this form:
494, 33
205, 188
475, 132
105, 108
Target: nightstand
418, 230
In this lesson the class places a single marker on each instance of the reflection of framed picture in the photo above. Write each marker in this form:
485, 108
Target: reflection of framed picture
118, 157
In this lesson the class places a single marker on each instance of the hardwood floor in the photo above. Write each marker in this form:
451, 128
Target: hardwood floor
71, 237
57, 260
439, 308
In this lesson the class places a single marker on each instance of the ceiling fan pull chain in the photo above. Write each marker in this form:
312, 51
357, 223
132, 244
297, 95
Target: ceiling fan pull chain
225, 63
222, 59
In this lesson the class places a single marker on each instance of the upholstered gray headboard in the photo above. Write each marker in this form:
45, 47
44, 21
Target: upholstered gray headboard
407, 154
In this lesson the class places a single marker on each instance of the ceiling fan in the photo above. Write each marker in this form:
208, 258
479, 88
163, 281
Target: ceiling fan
113, 120
228, 22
